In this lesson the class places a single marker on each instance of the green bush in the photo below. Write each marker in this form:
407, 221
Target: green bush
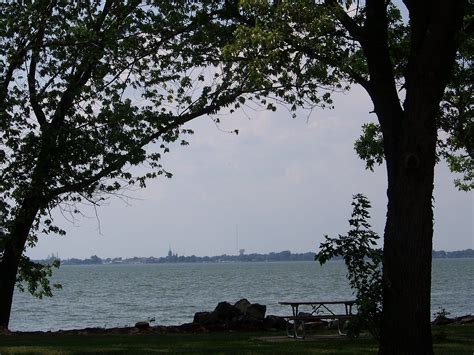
364, 266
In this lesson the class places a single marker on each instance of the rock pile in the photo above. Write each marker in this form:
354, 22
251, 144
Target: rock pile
243, 315
443, 320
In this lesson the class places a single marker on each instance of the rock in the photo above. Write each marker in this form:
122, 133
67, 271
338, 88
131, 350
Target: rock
142, 325
241, 316
205, 318
200, 317
242, 305
465, 319
443, 321
245, 323
274, 322
256, 311
190, 328
252, 310
225, 311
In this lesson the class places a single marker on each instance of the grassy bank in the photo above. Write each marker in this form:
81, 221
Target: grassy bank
448, 340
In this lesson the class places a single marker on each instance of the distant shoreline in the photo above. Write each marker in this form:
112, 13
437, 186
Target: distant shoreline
254, 257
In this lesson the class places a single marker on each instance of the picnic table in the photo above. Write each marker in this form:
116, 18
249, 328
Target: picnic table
318, 311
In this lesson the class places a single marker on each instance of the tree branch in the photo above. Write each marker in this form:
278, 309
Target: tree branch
347, 22
215, 105
309, 52
35, 51
84, 70
16, 61
382, 78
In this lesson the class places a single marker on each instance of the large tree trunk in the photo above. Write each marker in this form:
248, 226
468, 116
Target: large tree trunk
21, 224
407, 246
13, 249
8, 270
410, 152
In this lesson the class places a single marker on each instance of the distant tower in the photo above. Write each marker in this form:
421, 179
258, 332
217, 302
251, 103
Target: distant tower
236, 237
241, 252
170, 253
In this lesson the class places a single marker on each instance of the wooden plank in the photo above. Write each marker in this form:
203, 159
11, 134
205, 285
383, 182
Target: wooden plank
319, 317
315, 302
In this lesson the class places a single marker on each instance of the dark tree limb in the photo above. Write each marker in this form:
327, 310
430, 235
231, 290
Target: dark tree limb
356, 31
37, 44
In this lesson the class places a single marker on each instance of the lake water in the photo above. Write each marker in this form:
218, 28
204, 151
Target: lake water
120, 295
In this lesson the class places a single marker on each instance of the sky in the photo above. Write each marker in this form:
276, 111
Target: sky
280, 184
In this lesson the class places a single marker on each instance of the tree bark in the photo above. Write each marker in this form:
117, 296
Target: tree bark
8, 269
23, 221
411, 157
408, 236
13, 249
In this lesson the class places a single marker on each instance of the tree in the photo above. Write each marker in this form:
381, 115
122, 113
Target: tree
364, 266
87, 91
405, 69
455, 124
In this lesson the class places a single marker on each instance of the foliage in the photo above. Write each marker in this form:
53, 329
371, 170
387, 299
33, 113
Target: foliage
305, 48
456, 118
441, 314
369, 146
317, 49
36, 277
364, 265
90, 90
455, 121
274, 50
404, 67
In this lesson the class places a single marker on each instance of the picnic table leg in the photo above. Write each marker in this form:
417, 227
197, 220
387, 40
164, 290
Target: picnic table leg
294, 308
303, 329
290, 329
292, 333
348, 308
339, 328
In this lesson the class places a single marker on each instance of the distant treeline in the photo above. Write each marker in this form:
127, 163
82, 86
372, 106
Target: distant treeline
466, 253
174, 258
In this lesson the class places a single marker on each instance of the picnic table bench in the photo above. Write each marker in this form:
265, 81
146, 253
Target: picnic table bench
319, 311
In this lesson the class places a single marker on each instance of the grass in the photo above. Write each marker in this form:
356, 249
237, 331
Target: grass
447, 340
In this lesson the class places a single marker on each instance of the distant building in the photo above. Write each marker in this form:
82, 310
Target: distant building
172, 257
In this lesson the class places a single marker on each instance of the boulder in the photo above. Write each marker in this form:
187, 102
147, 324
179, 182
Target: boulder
205, 318
246, 323
242, 305
142, 325
274, 322
191, 328
256, 311
443, 320
242, 315
226, 312
466, 319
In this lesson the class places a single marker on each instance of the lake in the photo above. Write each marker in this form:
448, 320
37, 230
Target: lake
121, 295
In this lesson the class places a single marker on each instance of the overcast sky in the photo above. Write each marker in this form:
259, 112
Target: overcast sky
281, 184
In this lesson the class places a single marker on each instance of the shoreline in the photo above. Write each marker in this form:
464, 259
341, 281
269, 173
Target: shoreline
196, 328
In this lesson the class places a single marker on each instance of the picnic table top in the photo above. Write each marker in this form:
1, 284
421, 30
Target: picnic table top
348, 302
317, 302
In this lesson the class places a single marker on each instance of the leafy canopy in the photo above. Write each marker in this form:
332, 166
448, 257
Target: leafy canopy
91, 89
317, 47
455, 123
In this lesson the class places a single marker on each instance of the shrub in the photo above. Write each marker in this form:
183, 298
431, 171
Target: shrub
364, 266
